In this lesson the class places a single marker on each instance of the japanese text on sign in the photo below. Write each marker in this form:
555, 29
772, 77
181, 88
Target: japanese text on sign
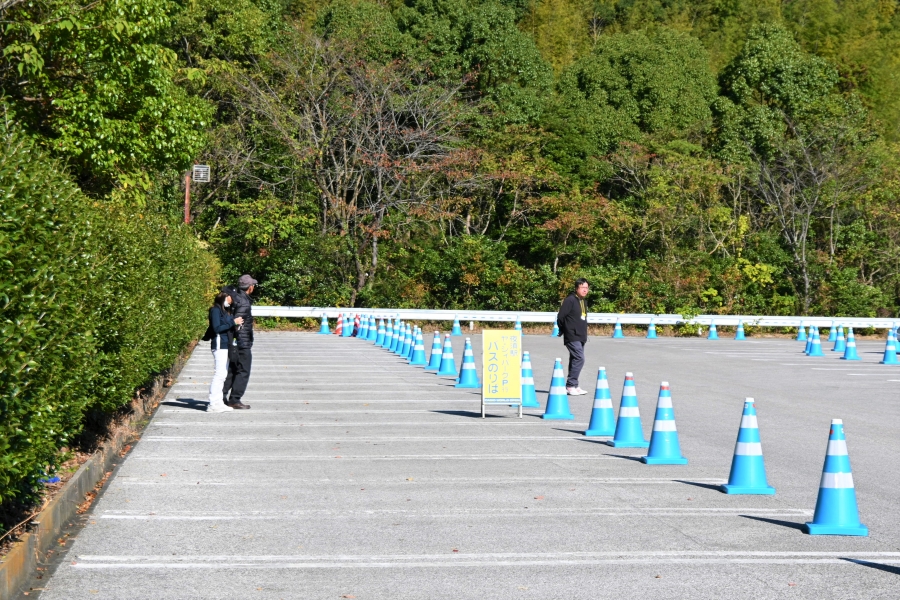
502, 368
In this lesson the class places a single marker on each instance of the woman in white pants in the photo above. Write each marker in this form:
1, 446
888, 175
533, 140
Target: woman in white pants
221, 333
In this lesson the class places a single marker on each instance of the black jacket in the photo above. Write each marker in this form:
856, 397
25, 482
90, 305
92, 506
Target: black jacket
240, 307
222, 325
572, 327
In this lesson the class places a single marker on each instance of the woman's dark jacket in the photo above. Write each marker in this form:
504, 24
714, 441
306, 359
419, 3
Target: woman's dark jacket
222, 325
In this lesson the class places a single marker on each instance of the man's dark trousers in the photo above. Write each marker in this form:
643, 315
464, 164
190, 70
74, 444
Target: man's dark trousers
238, 376
576, 362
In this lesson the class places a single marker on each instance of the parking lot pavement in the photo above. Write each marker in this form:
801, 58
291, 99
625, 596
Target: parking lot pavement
355, 475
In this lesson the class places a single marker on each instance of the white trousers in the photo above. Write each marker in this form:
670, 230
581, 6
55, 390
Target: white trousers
218, 381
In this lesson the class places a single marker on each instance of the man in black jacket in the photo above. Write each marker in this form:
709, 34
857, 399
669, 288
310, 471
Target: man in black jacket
242, 360
572, 321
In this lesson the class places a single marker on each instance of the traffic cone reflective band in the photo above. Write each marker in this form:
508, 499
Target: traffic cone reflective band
617, 331
555, 332
323, 328
890, 349
558, 399
850, 353
603, 419
529, 396
468, 376
801, 333
339, 326
456, 329
418, 355
379, 336
434, 361
740, 332
836, 509
713, 334
664, 446
748, 471
651, 331
448, 365
832, 333
629, 433
815, 348
840, 342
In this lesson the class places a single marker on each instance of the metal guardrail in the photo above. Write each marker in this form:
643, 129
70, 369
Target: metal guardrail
499, 316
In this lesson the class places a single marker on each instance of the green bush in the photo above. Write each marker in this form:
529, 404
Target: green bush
94, 300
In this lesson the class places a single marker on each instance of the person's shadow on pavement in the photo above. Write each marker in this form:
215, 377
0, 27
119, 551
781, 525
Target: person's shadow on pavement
187, 403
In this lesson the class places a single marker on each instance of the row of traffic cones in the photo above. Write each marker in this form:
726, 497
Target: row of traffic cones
836, 508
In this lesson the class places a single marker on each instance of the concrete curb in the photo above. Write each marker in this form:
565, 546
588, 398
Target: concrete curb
18, 565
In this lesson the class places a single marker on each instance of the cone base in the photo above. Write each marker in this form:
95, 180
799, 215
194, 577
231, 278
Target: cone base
738, 339
814, 529
558, 417
651, 337
618, 337
447, 373
600, 432
468, 385
619, 444
889, 362
653, 460
418, 363
766, 490
816, 354
430, 368
533, 404
713, 338
851, 358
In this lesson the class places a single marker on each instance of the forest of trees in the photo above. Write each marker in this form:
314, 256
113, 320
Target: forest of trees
684, 156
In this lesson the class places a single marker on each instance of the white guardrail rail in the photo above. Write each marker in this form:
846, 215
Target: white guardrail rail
500, 316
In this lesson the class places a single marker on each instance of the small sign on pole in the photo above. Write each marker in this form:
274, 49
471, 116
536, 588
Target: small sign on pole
200, 174
502, 369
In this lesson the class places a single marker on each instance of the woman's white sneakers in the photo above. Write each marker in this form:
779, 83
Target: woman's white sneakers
218, 409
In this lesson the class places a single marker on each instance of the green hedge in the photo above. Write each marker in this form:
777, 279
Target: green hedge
94, 300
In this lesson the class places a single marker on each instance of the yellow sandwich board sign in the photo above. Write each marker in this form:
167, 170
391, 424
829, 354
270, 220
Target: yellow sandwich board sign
501, 368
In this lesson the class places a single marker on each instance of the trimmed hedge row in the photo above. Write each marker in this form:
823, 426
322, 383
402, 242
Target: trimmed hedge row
94, 299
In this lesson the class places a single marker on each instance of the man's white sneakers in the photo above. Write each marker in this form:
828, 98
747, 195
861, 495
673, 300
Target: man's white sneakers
576, 391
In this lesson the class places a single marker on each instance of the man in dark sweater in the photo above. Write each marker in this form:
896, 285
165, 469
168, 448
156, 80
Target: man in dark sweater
242, 360
572, 321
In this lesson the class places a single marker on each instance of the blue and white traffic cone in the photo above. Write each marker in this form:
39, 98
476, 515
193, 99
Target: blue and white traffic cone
840, 342
518, 326
629, 432
890, 349
809, 339
815, 348
456, 331
373, 329
603, 419
412, 344
448, 365
748, 470
401, 334
388, 334
651, 331
434, 361
832, 333
363, 331
801, 333
739, 335
617, 331
713, 334
558, 398
529, 396
379, 337
664, 446
349, 326
555, 332
323, 328
395, 335
836, 510
850, 353
468, 376
418, 355
407, 342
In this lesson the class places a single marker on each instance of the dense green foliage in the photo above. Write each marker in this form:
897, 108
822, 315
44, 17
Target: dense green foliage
96, 298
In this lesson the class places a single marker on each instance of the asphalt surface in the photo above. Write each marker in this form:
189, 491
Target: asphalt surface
355, 475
